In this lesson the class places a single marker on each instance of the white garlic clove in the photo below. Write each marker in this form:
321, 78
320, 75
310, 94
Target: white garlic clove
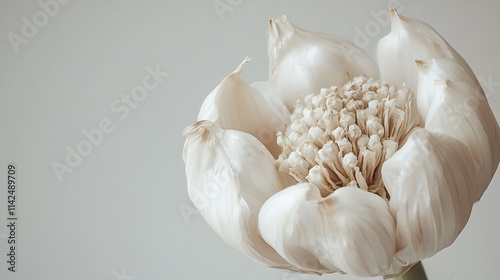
302, 62
458, 107
430, 180
349, 231
254, 109
409, 40
229, 176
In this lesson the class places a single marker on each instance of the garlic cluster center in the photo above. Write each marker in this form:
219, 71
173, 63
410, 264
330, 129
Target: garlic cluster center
341, 136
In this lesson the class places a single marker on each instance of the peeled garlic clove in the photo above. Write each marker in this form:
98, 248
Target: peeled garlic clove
411, 39
458, 107
255, 109
350, 230
229, 176
430, 180
302, 62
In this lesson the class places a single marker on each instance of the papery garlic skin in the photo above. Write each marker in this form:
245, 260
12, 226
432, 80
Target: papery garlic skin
302, 62
230, 174
254, 109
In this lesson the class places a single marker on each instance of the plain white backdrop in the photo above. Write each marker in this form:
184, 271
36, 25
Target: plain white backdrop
118, 207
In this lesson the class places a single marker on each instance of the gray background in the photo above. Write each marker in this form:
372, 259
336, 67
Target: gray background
123, 212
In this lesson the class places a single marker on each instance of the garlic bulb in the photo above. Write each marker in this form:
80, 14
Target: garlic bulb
386, 170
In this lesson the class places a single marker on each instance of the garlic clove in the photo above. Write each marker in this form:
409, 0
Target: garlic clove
409, 40
349, 231
302, 62
458, 107
229, 176
255, 109
431, 199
